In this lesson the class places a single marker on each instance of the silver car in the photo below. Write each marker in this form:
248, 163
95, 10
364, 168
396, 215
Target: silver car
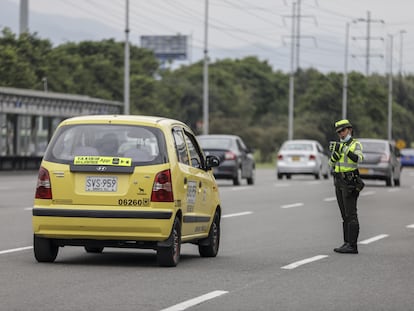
302, 157
381, 161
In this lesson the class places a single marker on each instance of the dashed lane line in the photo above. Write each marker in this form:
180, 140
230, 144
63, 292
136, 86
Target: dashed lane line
237, 214
330, 199
240, 188
303, 262
195, 301
365, 193
292, 205
374, 239
410, 226
281, 185
13, 250
394, 190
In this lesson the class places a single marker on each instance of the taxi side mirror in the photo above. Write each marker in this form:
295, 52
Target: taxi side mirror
212, 161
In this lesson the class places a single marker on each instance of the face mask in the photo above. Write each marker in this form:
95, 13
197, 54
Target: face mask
347, 137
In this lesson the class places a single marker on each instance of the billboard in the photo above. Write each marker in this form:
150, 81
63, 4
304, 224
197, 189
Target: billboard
166, 47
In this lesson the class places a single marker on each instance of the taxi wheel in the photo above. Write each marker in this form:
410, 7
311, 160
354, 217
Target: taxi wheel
169, 256
44, 249
211, 249
96, 250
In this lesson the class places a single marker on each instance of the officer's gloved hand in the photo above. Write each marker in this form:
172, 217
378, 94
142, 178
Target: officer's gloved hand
335, 156
335, 146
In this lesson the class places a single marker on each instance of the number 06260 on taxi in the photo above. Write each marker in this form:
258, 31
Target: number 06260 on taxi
127, 182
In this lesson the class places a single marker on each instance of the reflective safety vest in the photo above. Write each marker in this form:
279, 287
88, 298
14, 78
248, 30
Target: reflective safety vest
345, 164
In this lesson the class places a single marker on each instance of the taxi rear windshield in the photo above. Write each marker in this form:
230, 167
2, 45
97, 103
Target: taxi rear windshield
144, 145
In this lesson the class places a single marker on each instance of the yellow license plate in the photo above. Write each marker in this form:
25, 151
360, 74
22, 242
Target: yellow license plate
296, 158
363, 171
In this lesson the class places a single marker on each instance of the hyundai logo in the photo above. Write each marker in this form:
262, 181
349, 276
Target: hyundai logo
101, 168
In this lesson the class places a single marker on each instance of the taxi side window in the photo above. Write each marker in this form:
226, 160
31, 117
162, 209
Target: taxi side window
180, 146
195, 155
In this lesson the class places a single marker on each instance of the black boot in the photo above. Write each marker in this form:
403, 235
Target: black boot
350, 247
345, 232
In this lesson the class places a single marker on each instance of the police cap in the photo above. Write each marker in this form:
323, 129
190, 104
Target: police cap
341, 124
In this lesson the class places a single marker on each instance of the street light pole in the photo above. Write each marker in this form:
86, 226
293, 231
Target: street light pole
391, 39
401, 50
345, 82
292, 77
126, 60
205, 74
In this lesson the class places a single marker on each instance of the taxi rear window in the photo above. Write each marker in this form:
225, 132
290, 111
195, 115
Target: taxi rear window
144, 145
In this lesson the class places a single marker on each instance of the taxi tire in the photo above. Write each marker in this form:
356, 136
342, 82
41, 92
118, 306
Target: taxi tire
169, 256
95, 250
44, 249
210, 249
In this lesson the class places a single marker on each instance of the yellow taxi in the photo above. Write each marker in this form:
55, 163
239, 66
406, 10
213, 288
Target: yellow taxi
127, 182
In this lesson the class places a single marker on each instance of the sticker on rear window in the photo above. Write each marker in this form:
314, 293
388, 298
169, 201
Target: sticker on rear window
94, 160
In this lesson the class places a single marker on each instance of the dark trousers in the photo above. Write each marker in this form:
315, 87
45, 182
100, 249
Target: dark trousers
347, 197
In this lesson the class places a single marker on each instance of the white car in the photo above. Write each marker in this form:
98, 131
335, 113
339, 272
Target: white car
302, 157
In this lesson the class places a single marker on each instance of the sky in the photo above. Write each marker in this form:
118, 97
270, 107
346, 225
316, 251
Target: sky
241, 28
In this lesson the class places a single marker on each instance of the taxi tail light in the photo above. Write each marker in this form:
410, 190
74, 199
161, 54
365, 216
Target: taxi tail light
43, 187
162, 188
312, 157
280, 157
229, 156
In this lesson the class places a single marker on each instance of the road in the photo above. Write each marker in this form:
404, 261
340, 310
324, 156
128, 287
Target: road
276, 253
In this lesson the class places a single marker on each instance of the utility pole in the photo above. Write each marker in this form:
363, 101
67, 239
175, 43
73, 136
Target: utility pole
390, 37
345, 82
401, 51
205, 74
24, 16
298, 17
368, 38
298, 36
345, 76
292, 76
126, 60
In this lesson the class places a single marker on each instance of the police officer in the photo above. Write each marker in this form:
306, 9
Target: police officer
344, 159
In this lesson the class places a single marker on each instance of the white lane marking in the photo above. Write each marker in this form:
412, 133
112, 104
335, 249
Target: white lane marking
195, 301
303, 262
410, 226
237, 214
15, 250
28, 208
373, 239
394, 190
367, 193
330, 199
291, 205
240, 188
281, 185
